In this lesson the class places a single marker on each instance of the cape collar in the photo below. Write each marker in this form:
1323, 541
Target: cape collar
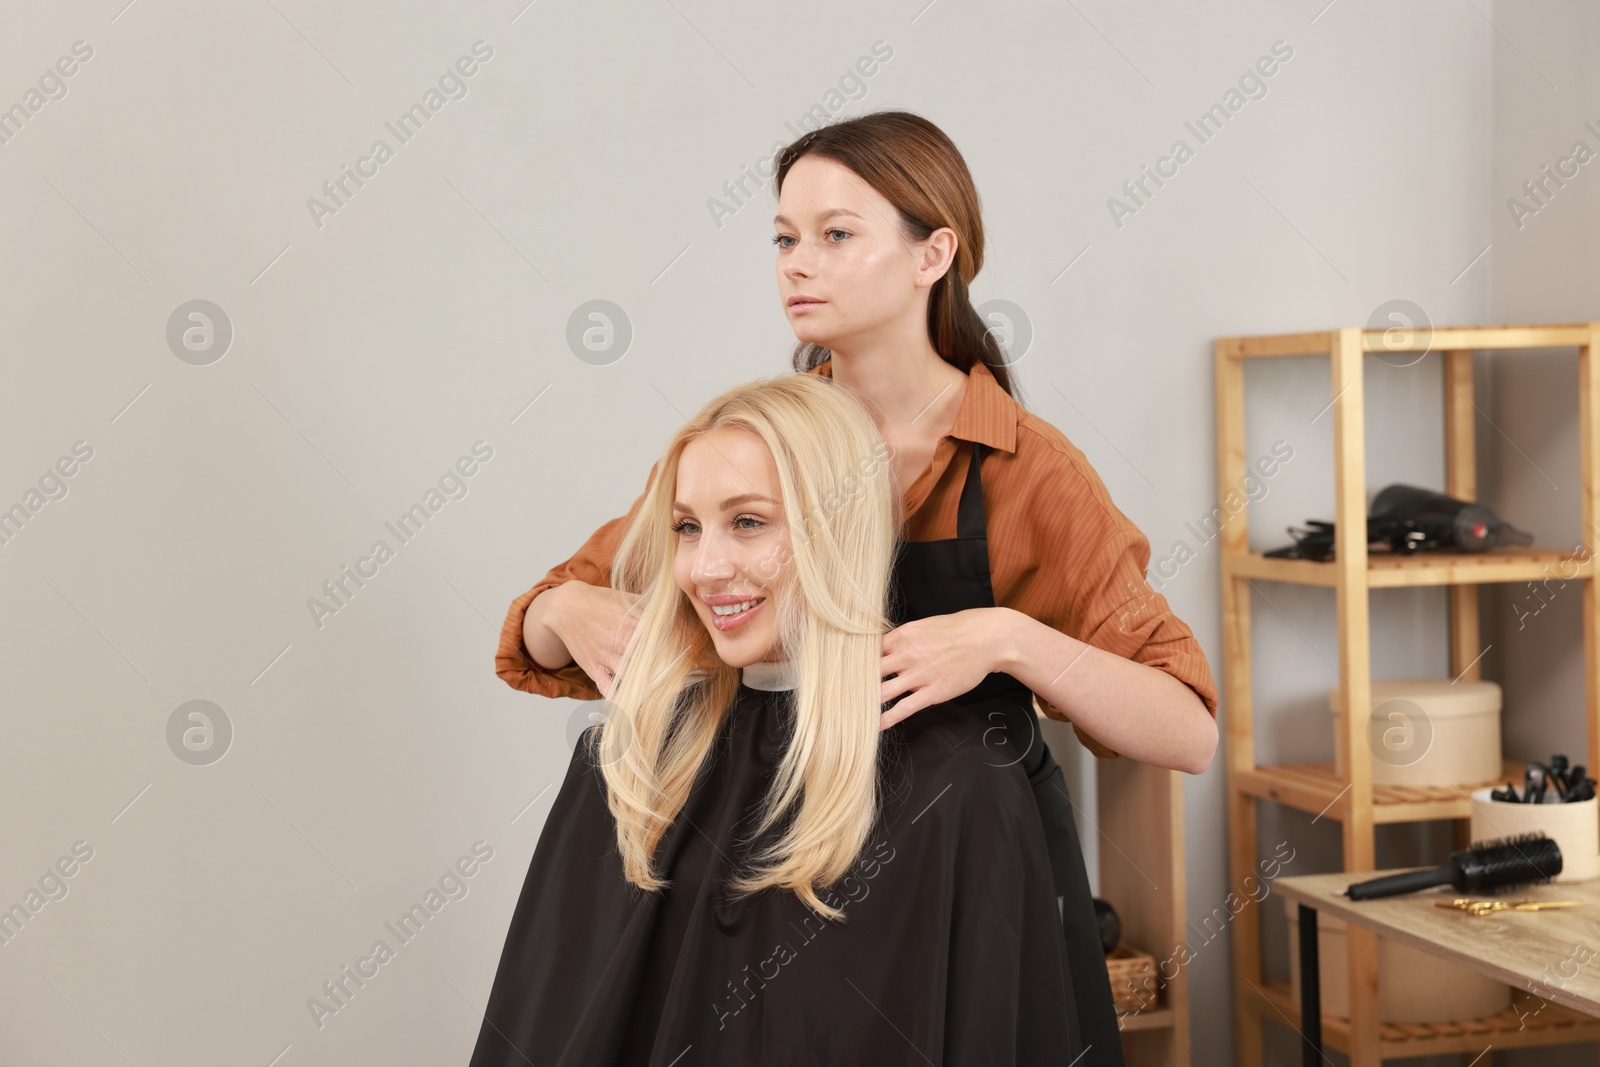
770, 675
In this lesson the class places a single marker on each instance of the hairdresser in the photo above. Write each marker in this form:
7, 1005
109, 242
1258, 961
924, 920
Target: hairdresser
1016, 575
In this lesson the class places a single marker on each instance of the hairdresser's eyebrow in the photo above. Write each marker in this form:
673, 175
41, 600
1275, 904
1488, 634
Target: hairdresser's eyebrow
780, 220
730, 503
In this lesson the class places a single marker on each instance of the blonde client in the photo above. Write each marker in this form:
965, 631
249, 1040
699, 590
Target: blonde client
740, 866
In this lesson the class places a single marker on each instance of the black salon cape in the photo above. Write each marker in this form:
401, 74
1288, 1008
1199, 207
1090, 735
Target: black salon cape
951, 952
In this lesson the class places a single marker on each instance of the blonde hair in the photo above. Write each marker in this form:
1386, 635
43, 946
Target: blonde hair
841, 514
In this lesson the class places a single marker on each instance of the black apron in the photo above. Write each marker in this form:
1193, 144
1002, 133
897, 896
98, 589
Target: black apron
943, 577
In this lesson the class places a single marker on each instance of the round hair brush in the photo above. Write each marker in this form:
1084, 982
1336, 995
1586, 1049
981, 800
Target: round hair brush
1487, 867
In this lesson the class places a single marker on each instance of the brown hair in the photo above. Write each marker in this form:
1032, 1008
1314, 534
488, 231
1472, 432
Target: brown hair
913, 165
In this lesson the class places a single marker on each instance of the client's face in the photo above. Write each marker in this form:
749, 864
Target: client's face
733, 542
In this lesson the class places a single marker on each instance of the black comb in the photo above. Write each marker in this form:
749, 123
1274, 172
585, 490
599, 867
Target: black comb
1487, 867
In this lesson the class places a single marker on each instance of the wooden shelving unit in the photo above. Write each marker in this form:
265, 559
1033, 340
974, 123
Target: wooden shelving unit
1354, 801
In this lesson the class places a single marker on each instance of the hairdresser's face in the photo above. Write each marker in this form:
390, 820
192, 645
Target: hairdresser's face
733, 543
841, 242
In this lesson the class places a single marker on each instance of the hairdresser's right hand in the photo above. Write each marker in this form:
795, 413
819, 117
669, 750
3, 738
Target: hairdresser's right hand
594, 623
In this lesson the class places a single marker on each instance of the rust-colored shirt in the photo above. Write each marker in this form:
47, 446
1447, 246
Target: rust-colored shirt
1059, 550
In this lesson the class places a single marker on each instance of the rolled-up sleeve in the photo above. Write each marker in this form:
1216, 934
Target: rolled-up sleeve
592, 564
1121, 613
1091, 585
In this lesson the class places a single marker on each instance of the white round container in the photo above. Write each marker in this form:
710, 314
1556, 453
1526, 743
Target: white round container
1575, 827
1413, 986
1429, 732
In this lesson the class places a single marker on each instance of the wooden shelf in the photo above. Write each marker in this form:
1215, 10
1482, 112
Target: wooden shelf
1437, 339
1154, 1019
1354, 800
1389, 570
1314, 787
1527, 1023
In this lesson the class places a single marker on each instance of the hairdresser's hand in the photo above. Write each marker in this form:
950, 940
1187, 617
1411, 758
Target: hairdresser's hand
593, 622
938, 658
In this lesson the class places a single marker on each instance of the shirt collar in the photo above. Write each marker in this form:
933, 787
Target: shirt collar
988, 414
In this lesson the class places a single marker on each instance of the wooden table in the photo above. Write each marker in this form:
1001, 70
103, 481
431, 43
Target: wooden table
1554, 954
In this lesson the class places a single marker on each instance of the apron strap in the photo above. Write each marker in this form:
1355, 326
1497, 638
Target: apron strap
970, 519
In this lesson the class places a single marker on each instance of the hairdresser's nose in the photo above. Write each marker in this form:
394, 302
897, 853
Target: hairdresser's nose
799, 263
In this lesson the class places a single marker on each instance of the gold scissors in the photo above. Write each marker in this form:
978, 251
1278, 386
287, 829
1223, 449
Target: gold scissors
1489, 907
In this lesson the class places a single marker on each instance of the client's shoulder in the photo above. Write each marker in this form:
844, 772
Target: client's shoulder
940, 732
950, 749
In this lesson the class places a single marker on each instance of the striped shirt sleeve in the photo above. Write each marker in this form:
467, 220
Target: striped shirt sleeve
592, 564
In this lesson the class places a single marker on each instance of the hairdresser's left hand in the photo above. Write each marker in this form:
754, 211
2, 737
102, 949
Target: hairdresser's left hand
939, 658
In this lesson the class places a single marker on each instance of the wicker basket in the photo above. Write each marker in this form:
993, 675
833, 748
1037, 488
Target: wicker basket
1133, 979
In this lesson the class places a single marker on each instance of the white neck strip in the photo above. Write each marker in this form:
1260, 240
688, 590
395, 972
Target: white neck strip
770, 675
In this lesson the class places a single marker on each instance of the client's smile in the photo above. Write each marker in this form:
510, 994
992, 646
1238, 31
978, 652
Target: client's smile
732, 610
